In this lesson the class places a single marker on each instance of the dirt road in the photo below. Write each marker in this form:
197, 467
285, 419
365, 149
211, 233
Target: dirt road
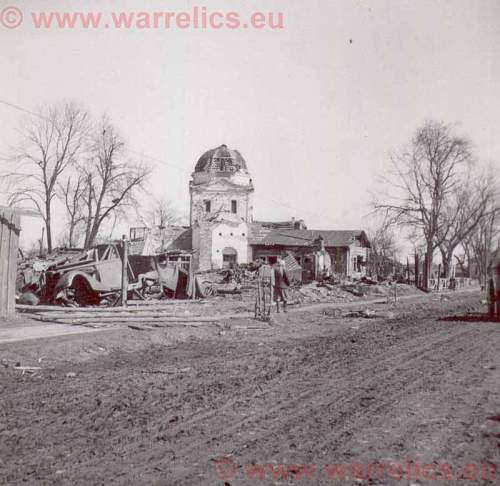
311, 399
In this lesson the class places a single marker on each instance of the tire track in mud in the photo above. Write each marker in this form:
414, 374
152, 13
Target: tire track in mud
343, 397
323, 378
271, 420
410, 356
400, 380
315, 362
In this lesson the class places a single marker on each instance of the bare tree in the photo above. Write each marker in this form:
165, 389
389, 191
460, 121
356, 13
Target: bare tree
72, 193
424, 176
50, 143
464, 259
161, 213
111, 180
384, 249
469, 204
483, 241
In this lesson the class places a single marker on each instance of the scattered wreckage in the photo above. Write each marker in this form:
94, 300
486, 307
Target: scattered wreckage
95, 278
80, 278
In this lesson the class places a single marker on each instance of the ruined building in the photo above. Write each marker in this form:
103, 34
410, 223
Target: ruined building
221, 211
222, 231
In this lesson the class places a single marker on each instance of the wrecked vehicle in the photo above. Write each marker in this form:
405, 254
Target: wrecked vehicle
95, 278
91, 278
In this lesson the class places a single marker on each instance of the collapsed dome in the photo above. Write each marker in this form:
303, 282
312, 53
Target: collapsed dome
221, 159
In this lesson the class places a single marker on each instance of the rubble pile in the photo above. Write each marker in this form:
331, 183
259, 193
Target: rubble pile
31, 272
239, 280
93, 278
321, 292
385, 289
316, 292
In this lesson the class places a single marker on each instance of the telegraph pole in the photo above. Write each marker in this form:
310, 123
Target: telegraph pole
124, 271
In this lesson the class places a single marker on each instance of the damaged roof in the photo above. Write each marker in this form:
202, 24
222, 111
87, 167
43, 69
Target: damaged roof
339, 238
221, 159
171, 238
260, 229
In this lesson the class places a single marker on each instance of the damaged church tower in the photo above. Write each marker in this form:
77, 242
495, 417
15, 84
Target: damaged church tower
221, 193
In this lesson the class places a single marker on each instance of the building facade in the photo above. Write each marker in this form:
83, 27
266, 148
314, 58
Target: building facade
347, 251
221, 209
222, 231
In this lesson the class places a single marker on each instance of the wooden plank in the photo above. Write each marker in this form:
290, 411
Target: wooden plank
3, 263
12, 271
125, 320
9, 234
98, 310
141, 303
8, 239
117, 315
124, 272
3, 266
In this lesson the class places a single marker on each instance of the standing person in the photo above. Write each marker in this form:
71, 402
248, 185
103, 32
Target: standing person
265, 287
265, 271
281, 284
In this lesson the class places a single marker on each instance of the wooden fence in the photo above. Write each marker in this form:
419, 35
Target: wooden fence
10, 228
450, 283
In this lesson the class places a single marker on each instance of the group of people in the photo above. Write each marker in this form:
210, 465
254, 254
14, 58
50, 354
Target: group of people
279, 279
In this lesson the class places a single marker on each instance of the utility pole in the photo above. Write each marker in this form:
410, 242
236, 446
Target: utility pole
41, 242
124, 271
417, 270
426, 272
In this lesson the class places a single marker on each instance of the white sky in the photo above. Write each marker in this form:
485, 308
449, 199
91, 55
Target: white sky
313, 114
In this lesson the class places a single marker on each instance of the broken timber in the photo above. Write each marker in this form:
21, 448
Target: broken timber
10, 228
157, 316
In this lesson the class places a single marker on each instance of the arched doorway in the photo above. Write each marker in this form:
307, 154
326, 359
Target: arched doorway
229, 257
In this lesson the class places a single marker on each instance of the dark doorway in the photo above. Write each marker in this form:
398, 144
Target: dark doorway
229, 257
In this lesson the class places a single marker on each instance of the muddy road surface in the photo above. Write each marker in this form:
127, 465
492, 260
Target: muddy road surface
313, 398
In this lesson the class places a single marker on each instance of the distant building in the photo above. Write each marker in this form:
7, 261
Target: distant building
348, 250
222, 230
